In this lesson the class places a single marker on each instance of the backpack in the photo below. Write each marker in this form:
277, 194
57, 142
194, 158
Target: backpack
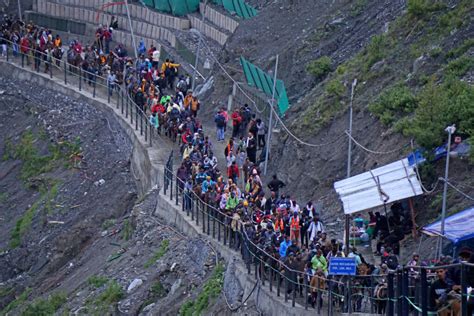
220, 120
174, 113
392, 262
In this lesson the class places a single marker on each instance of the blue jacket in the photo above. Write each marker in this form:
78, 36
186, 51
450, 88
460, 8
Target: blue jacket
283, 247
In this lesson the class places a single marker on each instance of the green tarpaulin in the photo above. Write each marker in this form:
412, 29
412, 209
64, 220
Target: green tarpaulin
163, 6
259, 79
240, 7
149, 3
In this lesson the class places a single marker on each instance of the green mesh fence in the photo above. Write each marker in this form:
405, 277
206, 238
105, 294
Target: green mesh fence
149, 3
259, 79
240, 7
175, 7
163, 6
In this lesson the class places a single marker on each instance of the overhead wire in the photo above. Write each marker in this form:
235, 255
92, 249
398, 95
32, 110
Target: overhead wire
456, 189
373, 151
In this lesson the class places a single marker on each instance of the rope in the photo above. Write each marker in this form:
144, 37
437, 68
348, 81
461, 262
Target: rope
373, 151
418, 173
456, 189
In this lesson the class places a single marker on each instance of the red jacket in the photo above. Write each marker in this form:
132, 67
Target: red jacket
236, 118
232, 171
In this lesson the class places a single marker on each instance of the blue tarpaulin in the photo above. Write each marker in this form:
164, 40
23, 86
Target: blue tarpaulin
457, 227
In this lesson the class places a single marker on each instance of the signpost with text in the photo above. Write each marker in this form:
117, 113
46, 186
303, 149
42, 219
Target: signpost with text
342, 266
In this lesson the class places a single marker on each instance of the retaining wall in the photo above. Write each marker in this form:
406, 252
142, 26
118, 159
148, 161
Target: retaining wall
208, 30
142, 29
136, 12
219, 19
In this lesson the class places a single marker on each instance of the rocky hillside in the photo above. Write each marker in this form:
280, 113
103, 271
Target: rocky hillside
74, 238
413, 62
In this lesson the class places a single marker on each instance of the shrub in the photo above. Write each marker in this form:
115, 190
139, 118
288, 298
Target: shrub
393, 103
461, 49
320, 67
459, 67
158, 254
421, 8
46, 307
211, 289
376, 50
335, 88
97, 281
438, 107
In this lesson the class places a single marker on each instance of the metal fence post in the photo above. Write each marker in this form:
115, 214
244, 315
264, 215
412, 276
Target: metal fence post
305, 284
464, 289
126, 104
7, 54
51, 70
95, 82
141, 124
136, 117
399, 293
108, 90
131, 111
405, 292
198, 205
22, 60
177, 191
390, 311
424, 293
65, 73
121, 97
203, 217
80, 77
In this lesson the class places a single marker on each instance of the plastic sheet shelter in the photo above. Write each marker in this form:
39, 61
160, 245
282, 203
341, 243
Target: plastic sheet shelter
390, 183
259, 79
457, 227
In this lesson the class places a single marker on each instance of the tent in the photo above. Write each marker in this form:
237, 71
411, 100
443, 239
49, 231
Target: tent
387, 184
457, 227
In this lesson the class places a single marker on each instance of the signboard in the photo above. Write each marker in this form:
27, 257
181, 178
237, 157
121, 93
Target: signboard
342, 266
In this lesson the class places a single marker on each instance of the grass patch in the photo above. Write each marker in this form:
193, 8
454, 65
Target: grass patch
461, 49
48, 193
24, 224
211, 290
34, 163
157, 290
108, 298
5, 291
358, 7
127, 230
422, 8
46, 306
108, 223
3, 197
158, 254
320, 67
19, 301
97, 281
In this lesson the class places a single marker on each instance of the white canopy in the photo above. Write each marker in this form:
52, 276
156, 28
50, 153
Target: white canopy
393, 182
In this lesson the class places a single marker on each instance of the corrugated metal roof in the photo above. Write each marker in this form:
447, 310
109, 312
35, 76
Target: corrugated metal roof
393, 182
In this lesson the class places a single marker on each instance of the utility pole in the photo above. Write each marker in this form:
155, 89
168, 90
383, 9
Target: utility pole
196, 61
135, 47
270, 127
349, 157
450, 129
19, 10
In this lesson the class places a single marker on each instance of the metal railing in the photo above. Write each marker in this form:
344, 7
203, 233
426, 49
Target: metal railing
83, 80
403, 292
